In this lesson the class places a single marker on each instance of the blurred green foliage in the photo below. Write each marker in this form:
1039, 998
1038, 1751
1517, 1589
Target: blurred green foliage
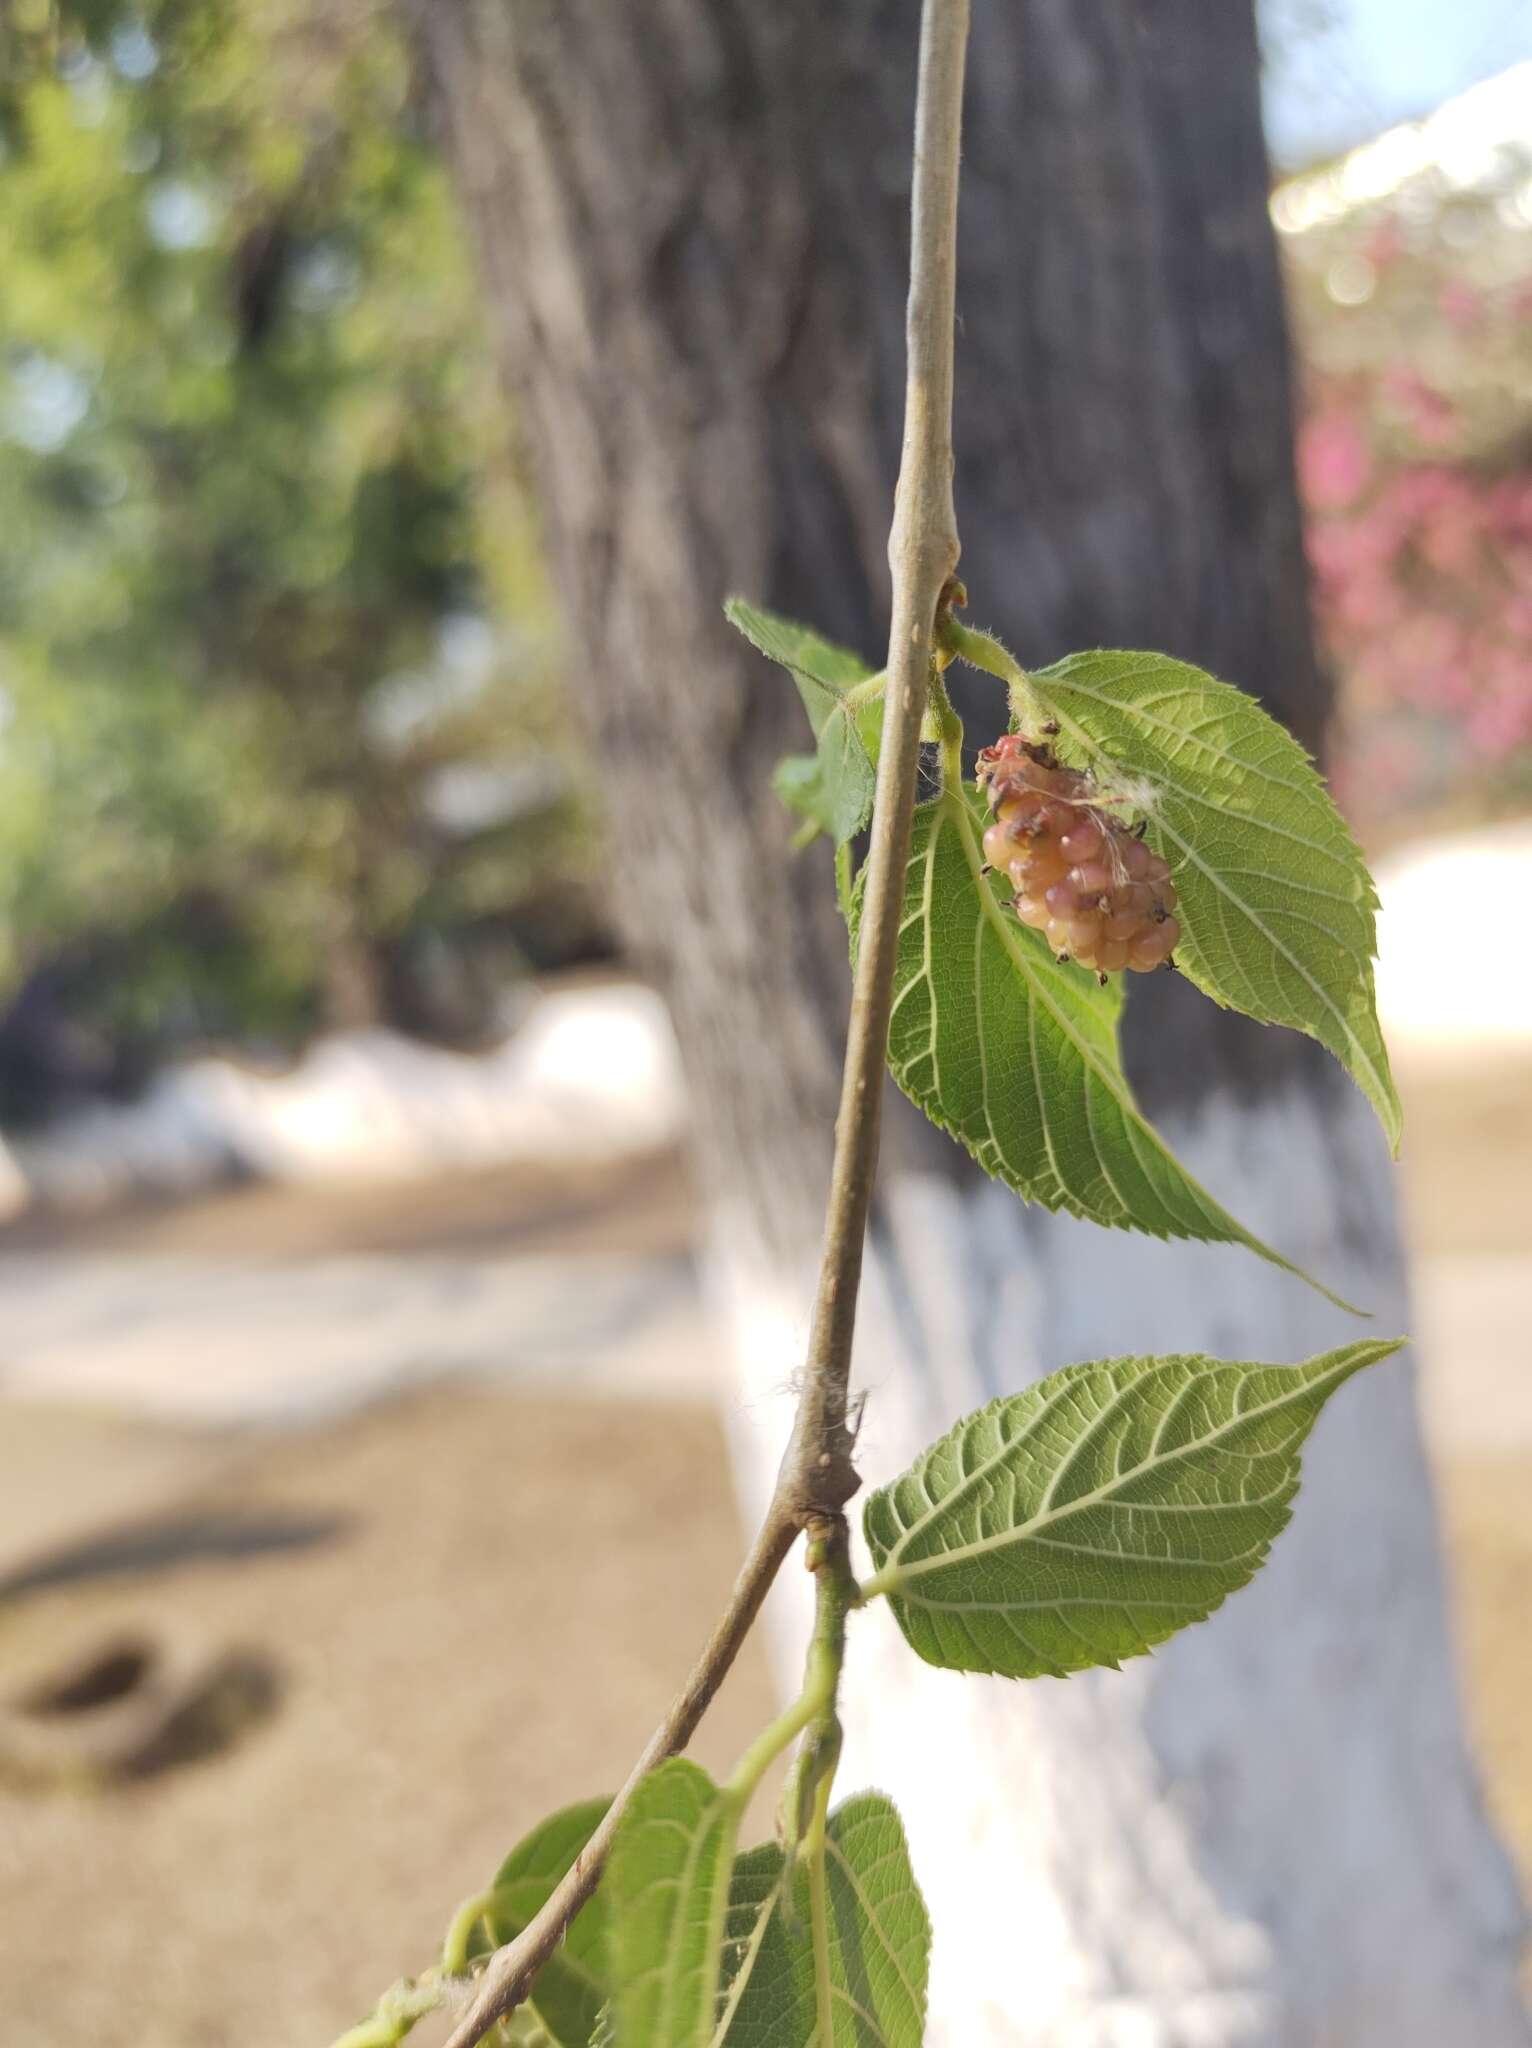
262, 747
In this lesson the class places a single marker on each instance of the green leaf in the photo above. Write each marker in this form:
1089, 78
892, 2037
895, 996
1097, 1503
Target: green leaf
1016, 1054
799, 781
1099, 1512
525, 2030
837, 796
846, 774
562, 2007
880, 1941
798, 648
1276, 905
667, 1889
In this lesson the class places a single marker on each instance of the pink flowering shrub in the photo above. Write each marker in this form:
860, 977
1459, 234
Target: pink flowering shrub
1415, 465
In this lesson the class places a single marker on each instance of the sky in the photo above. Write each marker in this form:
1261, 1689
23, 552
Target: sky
1341, 71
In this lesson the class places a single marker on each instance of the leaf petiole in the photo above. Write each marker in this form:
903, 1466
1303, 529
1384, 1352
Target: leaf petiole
835, 1594
772, 1740
947, 730
984, 651
460, 1931
880, 1584
396, 2012
868, 692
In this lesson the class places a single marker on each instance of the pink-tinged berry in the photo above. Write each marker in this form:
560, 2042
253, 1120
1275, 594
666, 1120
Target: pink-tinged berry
1152, 948
1084, 840
1032, 910
999, 846
1098, 894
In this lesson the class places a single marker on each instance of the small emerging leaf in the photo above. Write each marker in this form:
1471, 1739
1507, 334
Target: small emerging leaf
798, 648
1276, 904
799, 781
667, 1889
837, 794
562, 2008
880, 1941
1097, 1513
1015, 1053
847, 749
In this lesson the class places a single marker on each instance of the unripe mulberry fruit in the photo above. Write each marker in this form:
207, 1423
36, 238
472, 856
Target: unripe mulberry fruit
1094, 889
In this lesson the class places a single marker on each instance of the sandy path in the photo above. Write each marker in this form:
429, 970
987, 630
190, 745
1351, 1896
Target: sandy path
457, 1648
471, 1552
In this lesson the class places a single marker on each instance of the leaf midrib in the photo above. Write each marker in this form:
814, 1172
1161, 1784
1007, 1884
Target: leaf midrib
720, 1813
874, 1922
1349, 1362
1381, 1088
1137, 709
956, 809
751, 1956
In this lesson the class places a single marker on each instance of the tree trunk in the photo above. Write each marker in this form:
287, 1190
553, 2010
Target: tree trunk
691, 217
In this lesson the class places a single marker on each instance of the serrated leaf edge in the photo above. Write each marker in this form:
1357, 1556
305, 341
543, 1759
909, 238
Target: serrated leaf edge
957, 809
843, 1815
1381, 1093
893, 1578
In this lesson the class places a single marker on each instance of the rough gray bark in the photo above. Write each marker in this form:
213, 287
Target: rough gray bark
691, 218
692, 222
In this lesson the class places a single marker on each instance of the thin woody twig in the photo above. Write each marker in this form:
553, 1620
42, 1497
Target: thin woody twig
818, 1474
507, 1976
923, 554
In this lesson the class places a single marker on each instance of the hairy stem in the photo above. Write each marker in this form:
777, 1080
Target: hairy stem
369, 2033
835, 1594
396, 2013
818, 1474
948, 727
816, 1698
868, 692
984, 651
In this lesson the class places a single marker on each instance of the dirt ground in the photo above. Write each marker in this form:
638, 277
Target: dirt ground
1487, 1504
415, 1588
1467, 1185
426, 1580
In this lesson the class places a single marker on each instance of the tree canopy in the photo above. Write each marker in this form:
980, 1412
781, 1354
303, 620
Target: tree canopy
263, 746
